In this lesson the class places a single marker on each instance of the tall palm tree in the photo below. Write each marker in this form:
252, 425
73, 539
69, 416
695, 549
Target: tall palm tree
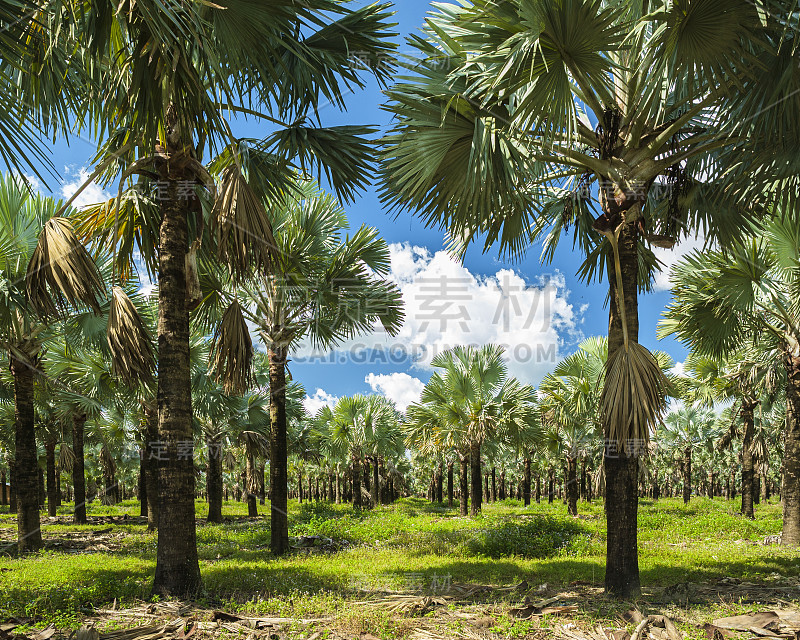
725, 299
325, 287
469, 400
44, 270
520, 120
165, 79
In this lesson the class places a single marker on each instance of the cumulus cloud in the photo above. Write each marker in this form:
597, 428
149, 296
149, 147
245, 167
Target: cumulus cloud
400, 388
447, 305
678, 369
320, 399
92, 194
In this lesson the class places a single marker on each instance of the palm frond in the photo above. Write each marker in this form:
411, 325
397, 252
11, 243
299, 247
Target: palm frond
61, 272
232, 351
633, 397
129, 341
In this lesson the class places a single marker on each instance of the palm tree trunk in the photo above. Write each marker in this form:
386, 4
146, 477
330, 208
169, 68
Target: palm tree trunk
12, 488
214, 480
262, 483
278, 461
583, 478
572, 486
177, 568
375, 486
29, 534
494, 484
250, 485
300, 485
356, 481
748, 407
486, 495
3, 488
790, 489
538, 487
687, 475
78, 471
526, 483
475, 462
338, 488
551, 484
463, 482
143, 481
622, 470
450, 484
52, 493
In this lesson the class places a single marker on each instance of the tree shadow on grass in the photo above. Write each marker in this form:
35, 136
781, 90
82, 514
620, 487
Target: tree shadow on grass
89, 586
243, 580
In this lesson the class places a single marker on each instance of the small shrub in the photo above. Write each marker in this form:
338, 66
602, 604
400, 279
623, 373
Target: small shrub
534, 537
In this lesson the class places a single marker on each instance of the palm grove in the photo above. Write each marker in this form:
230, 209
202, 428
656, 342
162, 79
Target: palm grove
628, 125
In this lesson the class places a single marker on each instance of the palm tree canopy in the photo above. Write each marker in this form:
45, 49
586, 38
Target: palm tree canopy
519, 120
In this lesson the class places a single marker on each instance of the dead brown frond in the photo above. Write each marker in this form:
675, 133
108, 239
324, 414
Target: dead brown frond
243, 228
61, 272
130, 342
232, 351
633, 397
66, 457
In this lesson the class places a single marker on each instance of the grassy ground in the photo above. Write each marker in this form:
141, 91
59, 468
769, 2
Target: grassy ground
412, 547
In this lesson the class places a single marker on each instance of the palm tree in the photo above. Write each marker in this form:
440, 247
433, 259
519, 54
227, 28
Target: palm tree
737, 378
358, 427
685, 430
724, 299
468, 401
522, 119
44, 269
166, 79
325, 287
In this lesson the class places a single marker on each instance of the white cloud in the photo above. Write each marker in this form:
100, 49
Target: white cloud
400, 388
670, 257
447, 305
92, 194
678, 369
318, 400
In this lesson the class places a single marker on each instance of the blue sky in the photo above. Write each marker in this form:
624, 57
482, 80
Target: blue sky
540, 311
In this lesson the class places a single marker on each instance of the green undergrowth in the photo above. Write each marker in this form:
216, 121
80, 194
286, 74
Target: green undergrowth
409, 546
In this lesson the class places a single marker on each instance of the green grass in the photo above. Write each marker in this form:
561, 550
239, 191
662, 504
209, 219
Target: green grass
411, 545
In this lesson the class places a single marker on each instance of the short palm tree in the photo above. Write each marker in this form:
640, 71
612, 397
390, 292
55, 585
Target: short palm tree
358, 427
685, 430
736, 377
469, 400
724, 299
